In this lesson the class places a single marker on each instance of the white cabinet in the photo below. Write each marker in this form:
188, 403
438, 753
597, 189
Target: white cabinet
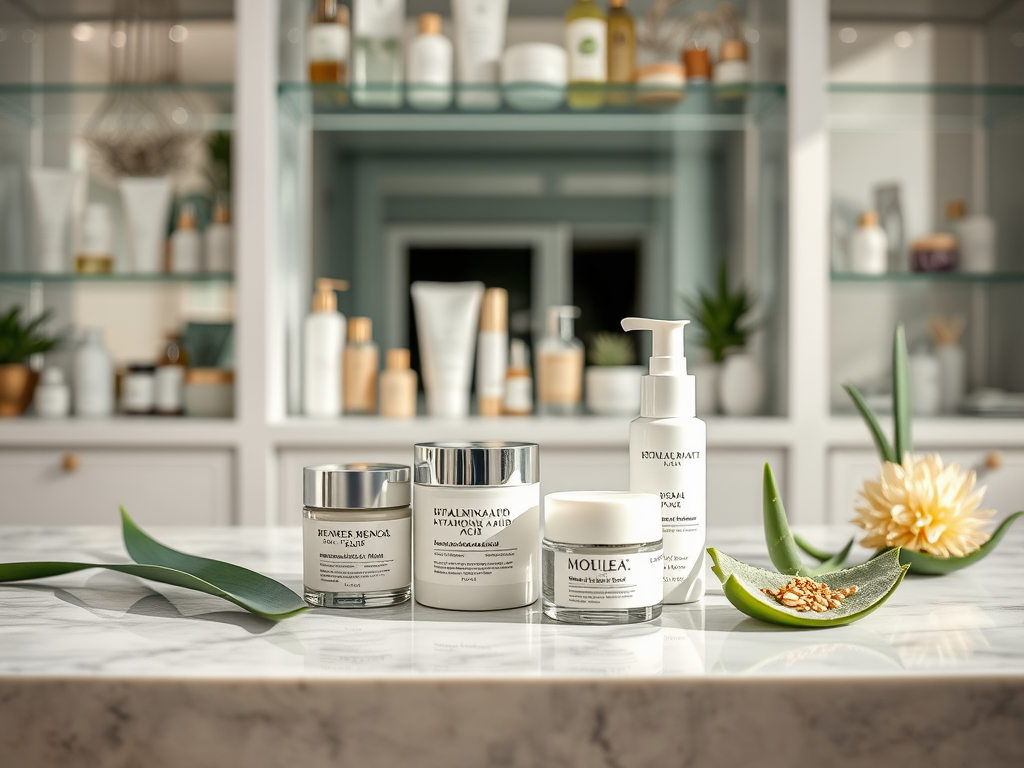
75, 487
848, 469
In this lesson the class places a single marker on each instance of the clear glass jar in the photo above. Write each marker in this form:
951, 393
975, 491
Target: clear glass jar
356, 535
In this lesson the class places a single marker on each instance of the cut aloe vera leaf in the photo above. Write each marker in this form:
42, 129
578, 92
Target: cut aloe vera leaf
930, 565
875, 580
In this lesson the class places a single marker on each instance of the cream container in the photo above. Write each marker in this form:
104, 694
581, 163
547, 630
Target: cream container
356, 535
476, 525
659, 86
533, 76
603, 555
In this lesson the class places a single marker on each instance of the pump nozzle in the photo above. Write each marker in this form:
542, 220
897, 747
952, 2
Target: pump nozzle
668, 391
324, 299
560, 321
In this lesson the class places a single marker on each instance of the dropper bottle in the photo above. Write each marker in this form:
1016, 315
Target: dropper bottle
560, 365
667, 446
323, 341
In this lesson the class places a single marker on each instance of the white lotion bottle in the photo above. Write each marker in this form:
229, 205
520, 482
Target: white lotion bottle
869, 246
323, 341
667, 446
429, 66
94, 377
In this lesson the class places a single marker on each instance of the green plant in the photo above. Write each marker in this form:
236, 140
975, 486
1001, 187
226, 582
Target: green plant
612, 349
219, 171
720, 316
19, 342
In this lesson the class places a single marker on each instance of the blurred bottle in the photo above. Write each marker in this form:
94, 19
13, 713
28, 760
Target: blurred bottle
621, 53
170, 377
398, 386
518, 381
560, 365
586, 42
362, 361
327, 43
429, 66
186, 245
219, 240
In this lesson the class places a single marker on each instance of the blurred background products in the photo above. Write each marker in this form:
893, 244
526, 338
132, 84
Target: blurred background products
613, 377
621, 53
560, 365
323, 342
952, 360
362, 361
219, 240
328, 43
138, 390
95, 254
492, 352
976, 238
377, 54
732, 70
20, 341
169, 378
890, 218
398, 386
697, 64
518, 381
186, 244
93, 377
586, 42
429, 66
147, 206
53, 396
869, 247
52, 193
934, 253
209, 393
533, 76
659, 86
479, 41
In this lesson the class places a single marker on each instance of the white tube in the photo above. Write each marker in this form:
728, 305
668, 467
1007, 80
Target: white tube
53, 189
147, 206
446, 323
479, 41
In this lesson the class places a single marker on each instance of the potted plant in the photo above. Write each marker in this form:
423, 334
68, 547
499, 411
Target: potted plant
18, 343
613, 378
733, 380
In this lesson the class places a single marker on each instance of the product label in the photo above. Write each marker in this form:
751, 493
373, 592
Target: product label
608, 581
378, 18
327, 42
362, 556
169, 382
477, 536
586, 43
560, 377
491, 364
669, 462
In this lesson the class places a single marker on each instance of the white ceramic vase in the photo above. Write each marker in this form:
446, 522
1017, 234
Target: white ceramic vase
613, 390
707, 375
741, 386
147, 207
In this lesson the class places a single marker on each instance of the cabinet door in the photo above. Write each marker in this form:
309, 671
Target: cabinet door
85, 487
848, 469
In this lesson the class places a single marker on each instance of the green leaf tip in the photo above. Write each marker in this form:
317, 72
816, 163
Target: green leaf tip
876, 581
154, 561
923, 564
885, 450
902, 409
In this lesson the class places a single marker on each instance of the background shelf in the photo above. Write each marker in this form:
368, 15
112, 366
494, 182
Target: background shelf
116, 277
931, 278
929, 106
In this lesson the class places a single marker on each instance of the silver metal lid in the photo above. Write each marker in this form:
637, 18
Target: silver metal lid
477, 463
356, 486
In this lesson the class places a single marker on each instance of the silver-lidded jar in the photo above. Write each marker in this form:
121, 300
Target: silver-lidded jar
477, 524
356, 535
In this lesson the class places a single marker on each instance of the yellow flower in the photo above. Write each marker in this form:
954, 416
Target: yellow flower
923, 506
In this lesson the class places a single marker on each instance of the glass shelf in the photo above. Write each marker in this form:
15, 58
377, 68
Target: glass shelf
927, 106
116, 277
702, 109
932, 278
69, 106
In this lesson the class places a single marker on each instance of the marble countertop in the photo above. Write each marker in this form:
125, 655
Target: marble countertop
106, 643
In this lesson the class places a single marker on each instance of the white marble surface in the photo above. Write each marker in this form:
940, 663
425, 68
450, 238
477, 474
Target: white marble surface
116, 656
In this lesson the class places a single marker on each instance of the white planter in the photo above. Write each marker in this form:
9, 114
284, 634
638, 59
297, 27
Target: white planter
707, 375
741, 387
147, 207
614, 390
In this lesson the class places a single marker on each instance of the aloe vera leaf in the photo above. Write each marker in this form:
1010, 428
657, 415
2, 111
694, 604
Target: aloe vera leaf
818, 554
901, 407
929, 565
247, 589
875, 580
781, 548
885, 450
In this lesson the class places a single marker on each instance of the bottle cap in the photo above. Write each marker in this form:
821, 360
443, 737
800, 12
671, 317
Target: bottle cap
53, 377
430, 24
494, 310
618, 3
356, 486
956, 209
560, 321
667, 391
343, 15
221, 212
602, 517
869, 219
732, 50
477, 463
697, 63
187, 216
360, 330
518, 355
326, 11
206, 377
324, 299
397, 360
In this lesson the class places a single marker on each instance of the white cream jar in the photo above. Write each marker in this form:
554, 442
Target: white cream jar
603, 557
476, 525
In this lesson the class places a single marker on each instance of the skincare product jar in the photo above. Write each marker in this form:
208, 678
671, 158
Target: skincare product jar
356, 535
603, 554
534, 76
477, 525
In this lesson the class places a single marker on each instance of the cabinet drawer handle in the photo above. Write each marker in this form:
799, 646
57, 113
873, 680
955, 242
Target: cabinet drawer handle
70, 462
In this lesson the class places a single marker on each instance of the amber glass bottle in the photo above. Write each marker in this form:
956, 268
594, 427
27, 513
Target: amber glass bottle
621, 53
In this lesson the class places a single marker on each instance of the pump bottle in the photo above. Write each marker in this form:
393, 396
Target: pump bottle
667, 457
322, 344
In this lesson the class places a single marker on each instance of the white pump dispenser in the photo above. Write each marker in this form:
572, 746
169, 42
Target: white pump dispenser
667, 457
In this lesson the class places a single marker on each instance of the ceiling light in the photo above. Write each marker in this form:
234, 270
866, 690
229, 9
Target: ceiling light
118, 39
848, 34
903, 39
83, 33
177, 33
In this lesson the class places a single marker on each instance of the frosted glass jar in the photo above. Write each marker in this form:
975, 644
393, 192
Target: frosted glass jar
476, 510
603, 557
356, 535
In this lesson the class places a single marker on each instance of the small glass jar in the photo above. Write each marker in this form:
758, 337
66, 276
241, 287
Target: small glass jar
356, 535
138, 390
602, 557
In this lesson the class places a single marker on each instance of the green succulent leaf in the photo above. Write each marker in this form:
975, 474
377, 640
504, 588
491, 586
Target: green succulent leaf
885, 450
929, 565
875, 580
18, 341
901, 407
837, 558
720, 316
247, 589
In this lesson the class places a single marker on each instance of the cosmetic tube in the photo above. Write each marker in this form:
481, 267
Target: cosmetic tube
492, 352
147, 206
479, 41
446, 322
52, 192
